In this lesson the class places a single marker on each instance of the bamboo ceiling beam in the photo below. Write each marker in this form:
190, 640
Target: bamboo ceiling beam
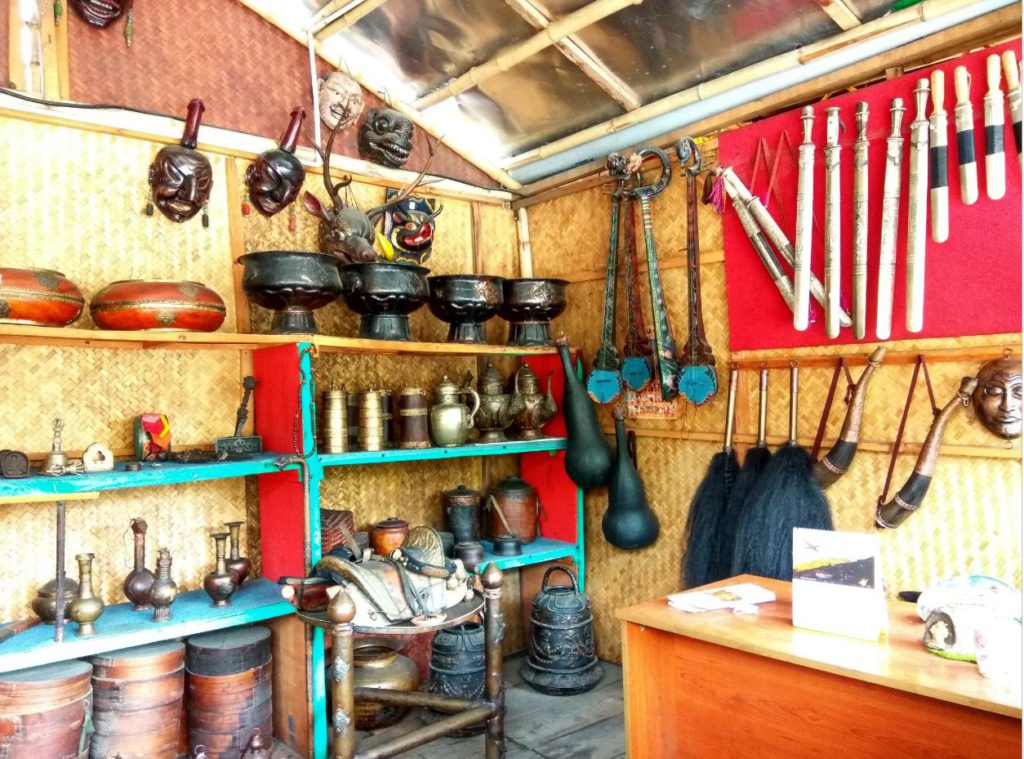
840, 12
516, 54
580, 54
329, 9
984, 30
270, 11
346, 20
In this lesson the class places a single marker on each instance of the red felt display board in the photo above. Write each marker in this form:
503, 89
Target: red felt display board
972, 281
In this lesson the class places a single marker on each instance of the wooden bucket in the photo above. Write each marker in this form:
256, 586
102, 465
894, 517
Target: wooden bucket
137, 698
228, 690
42, 711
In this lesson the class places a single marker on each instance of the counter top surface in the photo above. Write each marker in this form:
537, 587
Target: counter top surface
898, 660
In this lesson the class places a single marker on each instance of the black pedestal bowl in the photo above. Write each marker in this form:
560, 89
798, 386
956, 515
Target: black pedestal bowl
384, 295
291, 283
465, 302
529, 306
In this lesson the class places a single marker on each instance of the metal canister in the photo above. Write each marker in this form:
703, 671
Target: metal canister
562, 659
371, 422
352, 406
412, 429
515, 509
386, 414
333, 422
461, 508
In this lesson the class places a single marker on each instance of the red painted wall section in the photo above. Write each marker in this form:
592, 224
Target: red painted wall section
248, 72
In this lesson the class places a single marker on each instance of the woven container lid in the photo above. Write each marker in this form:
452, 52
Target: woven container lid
228, 652
140, 661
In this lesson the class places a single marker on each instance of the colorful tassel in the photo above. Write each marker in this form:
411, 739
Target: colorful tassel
246, 206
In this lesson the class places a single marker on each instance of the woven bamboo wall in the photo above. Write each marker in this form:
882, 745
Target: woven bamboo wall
969, 523
74, 203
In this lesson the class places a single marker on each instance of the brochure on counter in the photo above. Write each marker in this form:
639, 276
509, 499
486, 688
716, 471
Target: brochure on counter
726, 597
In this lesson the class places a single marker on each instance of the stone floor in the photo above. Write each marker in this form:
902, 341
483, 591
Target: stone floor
587, 726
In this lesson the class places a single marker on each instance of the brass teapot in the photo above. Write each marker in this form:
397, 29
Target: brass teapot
537, 408
451, 419
498, 409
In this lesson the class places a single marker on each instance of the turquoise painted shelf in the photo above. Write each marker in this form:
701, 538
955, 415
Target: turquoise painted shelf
120, 627
151, 474
433, 454
537, 552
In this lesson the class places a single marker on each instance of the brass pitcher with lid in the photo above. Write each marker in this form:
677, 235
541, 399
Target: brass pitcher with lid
498, 409
537, 408
451, 419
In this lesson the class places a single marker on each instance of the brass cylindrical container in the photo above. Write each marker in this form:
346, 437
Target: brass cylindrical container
333, 422
352, 416
386, 414
412, 428
371, 421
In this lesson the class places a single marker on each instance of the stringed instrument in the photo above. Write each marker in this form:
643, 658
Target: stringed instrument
697, 380
636, 363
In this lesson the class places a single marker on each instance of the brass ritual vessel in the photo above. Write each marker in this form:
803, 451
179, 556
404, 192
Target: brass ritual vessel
237, 565
537, 408
334, 422
164, 589
87, 606
139, 581
451, 419
45, 602
498, 409
219, 584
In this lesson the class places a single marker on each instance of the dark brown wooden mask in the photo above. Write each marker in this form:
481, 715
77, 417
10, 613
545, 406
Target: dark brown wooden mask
275, 179
100, 13
386, 137
180, 176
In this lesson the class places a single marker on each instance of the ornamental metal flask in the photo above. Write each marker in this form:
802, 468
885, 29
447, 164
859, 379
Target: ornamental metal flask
140, 580
629, 521
498, 409
588, 456
450, 419
534, 408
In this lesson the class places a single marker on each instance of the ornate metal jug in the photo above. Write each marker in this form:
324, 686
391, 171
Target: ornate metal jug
498, 409
562, 660
537, 408
450, 418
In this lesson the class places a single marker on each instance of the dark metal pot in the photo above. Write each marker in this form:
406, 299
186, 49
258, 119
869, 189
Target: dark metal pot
458, 657
462, 511
529, 306
465, 302
384, 295
562, 660
291, 283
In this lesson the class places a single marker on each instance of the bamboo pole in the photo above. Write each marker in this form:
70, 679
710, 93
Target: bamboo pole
980, 31
365, 8
525, 250
840, 12
580, 54
892, 358
755, 72
1010, 450
15, 72
519, 52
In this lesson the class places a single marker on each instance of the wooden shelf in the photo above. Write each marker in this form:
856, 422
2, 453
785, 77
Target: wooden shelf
120, 627
537, 552
17, 334
151, 474
511, 447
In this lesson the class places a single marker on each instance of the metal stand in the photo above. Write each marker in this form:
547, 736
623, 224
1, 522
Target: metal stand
465, 712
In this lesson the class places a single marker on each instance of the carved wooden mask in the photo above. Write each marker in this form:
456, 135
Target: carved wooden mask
386, 137
275, 179
997, 398
180, 176
100, 13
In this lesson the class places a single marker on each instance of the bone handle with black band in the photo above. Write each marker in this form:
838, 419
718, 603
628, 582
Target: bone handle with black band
761, 246
860, 222
995, 163
890, 218
1012, 74
833, 259
964, 116
938, 172
762, 408
777, 237
804, 225
917, 210
912, 494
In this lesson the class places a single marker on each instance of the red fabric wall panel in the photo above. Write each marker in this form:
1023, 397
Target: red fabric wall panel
248, 72
972, 281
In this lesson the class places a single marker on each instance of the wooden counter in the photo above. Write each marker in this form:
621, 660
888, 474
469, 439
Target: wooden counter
720, 685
